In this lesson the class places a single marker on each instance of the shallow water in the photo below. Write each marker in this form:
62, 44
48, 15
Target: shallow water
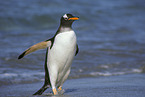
110, 37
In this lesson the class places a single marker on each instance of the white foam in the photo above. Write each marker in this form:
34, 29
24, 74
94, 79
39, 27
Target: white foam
137, 70
7, 75
105, 66
80, 70
106, 73
115, 73
10, 74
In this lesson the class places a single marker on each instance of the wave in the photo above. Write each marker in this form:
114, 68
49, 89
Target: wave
115, 73
15, 78
33, 22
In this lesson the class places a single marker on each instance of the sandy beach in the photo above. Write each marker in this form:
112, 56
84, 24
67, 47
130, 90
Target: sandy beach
131, 85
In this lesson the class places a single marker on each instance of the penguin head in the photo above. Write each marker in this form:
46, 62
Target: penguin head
68, 19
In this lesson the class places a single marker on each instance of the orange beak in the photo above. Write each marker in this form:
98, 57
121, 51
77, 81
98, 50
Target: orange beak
74, 18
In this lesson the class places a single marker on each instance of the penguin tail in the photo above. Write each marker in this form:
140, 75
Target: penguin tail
41, 90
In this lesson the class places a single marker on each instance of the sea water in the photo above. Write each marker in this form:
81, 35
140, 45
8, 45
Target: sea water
110, 35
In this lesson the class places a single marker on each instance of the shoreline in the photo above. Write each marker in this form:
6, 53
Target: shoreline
131, 85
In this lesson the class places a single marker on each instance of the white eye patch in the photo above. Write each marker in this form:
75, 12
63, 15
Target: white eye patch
65, 16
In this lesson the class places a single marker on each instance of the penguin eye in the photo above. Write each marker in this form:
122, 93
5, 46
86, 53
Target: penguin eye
66, 18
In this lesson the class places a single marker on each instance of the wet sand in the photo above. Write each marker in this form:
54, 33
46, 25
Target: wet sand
131, 85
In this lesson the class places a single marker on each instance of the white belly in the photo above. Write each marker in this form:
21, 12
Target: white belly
61, 54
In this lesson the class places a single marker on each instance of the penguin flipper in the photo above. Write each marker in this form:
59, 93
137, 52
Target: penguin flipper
40, 45
77, 49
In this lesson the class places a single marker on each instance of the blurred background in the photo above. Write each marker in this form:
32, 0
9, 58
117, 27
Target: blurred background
110, 33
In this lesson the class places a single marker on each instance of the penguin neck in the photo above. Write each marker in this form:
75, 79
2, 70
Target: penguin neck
62, 29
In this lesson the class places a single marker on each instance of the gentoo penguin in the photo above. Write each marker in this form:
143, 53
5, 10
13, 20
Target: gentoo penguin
61, 49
